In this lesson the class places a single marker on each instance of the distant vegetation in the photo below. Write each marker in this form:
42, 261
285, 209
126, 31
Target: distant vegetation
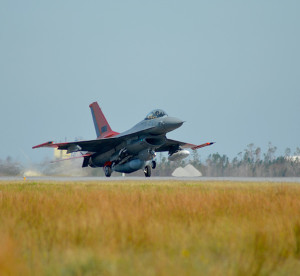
249, 163
149, 228
8, 167
252, 162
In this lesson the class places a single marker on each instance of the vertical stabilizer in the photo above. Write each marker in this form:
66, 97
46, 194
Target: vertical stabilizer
102, 127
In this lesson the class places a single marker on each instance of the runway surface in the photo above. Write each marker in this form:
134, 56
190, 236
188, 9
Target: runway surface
127, 178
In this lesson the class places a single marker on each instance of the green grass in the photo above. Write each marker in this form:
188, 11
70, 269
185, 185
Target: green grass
149, 228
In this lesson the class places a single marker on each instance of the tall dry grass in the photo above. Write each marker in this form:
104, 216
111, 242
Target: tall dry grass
150, 228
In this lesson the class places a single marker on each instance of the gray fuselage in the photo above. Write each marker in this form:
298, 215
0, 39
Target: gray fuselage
133, 152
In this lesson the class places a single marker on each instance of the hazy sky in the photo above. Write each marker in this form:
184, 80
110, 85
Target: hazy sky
230, 69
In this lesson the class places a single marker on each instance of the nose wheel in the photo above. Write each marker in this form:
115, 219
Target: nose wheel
107, 171
147, 171
153, 164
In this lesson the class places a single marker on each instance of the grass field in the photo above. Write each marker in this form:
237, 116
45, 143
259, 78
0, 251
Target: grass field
149, 228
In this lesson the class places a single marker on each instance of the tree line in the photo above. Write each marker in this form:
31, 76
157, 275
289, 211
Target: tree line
251, 162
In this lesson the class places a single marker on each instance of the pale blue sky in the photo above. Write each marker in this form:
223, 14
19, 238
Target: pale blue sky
230, 69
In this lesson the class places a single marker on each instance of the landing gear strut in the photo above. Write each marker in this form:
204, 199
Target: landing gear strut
107, 171
147, 171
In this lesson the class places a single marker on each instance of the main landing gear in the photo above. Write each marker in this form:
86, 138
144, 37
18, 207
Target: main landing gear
107, 171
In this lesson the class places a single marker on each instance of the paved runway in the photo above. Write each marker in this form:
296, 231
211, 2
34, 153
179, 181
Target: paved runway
127, 178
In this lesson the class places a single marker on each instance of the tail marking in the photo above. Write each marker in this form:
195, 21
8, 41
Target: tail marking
102, 127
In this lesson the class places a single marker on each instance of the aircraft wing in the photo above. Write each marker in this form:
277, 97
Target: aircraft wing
98, 145
90, 146
171, 144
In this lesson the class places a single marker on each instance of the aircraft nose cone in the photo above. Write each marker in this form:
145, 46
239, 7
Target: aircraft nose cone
172, 123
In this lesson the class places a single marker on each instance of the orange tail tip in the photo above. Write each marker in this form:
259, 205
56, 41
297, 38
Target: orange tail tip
102, 127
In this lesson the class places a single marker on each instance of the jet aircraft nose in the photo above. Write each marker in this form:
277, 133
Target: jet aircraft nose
171, 123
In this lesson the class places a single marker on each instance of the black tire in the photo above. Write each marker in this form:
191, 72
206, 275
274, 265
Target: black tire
147, 171
107, 171
153, 164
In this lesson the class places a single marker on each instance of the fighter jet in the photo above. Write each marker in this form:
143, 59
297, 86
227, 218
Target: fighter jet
131, 150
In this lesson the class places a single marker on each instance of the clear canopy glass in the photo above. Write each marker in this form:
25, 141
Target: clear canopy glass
157, 113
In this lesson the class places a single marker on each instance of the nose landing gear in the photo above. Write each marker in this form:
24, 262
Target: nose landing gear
148, 168
107, 171
147, 171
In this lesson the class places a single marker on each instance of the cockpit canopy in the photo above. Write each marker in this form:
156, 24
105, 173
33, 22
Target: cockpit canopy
157, 113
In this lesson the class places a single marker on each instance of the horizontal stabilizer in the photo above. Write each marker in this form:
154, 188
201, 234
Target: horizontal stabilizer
49, 144
75, 157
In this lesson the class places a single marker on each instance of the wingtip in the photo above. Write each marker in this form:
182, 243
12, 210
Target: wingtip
203, 145
210, 143
43, 145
